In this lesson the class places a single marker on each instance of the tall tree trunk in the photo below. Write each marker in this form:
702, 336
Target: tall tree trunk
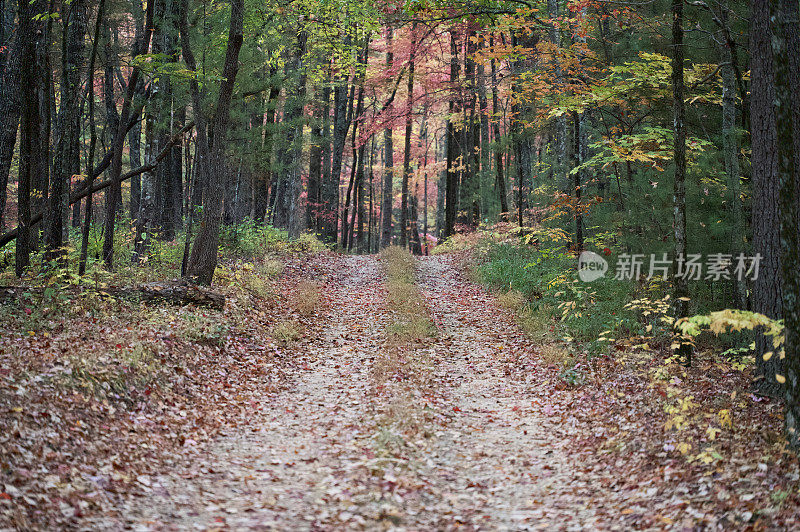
470, 181
500, 180
115, 169
680, 290
289, 153
10, 61
66, 162
785, 42
578, 177
30, 150
87, 221
203, 260
730, 154
767, 293
40, 187
109, 100
387, 195
351, 186
341, 125
453, 174
313, 197
485, 139
404, 227
520, 137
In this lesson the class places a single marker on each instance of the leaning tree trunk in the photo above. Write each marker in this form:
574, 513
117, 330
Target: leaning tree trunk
203, 260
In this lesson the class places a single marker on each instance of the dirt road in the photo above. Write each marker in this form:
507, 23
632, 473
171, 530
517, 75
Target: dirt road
463, 445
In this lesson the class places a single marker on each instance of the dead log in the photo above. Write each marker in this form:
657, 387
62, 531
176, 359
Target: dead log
177, 292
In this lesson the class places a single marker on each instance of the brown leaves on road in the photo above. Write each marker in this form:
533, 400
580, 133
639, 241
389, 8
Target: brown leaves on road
301, 408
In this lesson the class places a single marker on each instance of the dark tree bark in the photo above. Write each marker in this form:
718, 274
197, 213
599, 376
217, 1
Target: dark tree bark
286, 214
523, 150
680, 288
341, 125
785, 42
41, 179
767, 293
30, 150
404, 226
10, 109
351, 186
314, 199
470, 181
387, 196
203, 260
500, 179
112, 114
115, 171
453, 148
66, 162
87, 221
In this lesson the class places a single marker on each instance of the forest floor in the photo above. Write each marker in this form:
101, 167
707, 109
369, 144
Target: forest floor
465, 430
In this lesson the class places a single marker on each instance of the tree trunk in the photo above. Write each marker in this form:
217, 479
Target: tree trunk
87, 221
203, 260
115, 170
681, 290
66, 161
341, 125
30, 143
730, 154
404, 227
500, 179
767, 293
10, 109
453, 174
313, 197
290, 152
387, 195
786, 42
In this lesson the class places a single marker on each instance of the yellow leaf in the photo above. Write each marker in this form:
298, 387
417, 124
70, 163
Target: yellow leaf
725, 418
780, 378
767, 355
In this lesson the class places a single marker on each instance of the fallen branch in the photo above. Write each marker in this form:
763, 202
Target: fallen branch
177, 292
